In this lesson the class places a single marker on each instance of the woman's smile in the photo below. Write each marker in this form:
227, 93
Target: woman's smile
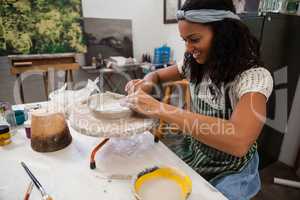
197, 55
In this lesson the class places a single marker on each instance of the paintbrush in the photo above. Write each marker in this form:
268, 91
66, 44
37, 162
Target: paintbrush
45, 196
28, 192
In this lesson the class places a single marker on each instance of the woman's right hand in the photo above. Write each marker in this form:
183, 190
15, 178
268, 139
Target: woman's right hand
134, 85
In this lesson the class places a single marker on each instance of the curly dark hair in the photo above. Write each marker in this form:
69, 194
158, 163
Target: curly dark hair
234, 48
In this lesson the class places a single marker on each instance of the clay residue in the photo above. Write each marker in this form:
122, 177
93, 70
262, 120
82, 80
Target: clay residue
160, 189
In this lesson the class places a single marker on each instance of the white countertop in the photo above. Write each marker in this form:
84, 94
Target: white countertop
66, 175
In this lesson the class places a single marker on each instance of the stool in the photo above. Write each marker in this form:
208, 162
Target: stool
168, 90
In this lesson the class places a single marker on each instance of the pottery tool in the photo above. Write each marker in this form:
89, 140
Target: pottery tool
36, 183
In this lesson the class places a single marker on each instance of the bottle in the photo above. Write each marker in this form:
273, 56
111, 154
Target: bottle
4, 135
157, 53
99, 62
143, 58
149, 58
94, 61
165, 54
7, 116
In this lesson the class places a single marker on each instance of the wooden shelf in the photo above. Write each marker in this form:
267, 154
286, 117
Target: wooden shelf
44, 68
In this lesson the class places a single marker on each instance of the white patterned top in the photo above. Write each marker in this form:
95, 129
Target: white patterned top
252, 80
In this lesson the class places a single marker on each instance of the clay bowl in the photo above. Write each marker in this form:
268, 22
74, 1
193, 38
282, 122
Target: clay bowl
107, 106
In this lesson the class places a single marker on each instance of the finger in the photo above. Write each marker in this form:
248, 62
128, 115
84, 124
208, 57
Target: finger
127, 104
134, 87
128, 85
137, 84
123, 102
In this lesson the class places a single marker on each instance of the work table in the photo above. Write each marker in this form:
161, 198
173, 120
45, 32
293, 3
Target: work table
66, 175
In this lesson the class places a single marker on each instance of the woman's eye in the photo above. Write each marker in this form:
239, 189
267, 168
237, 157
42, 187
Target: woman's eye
196, 40
191, 40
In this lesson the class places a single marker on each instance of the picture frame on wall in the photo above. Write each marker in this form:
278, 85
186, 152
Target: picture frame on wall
170, 10
247, 6
107, 37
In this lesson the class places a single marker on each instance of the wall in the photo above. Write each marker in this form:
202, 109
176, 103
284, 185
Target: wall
149, 31
291, 142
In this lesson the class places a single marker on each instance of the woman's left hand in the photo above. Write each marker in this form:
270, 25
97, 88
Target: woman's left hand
142, 103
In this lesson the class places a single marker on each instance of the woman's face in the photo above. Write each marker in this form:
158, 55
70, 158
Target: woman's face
198, 39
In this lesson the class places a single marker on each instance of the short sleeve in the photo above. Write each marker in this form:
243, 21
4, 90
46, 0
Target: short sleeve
254, 80
180, 67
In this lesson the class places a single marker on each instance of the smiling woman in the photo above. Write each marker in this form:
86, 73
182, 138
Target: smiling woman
229, 91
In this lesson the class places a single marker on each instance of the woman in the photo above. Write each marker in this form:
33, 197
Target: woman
229, 90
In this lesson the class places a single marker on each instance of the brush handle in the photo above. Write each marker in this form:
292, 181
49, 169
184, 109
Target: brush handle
26, 197
47, 197
34, 180
29, 190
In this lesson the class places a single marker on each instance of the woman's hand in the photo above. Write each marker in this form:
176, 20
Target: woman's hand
134, 85
139, 84
153, 80
142, 103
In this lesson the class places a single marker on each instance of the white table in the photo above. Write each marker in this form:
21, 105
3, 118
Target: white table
66, 175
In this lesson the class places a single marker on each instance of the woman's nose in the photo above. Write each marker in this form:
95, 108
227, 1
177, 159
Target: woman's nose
189, 47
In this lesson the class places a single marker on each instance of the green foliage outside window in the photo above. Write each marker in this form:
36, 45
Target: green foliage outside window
40, 26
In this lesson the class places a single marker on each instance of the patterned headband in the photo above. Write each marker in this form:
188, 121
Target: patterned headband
205, 15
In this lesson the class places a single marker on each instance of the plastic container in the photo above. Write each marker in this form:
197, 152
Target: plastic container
10, 118
162, 55
27, 126
21, 116
4, 135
